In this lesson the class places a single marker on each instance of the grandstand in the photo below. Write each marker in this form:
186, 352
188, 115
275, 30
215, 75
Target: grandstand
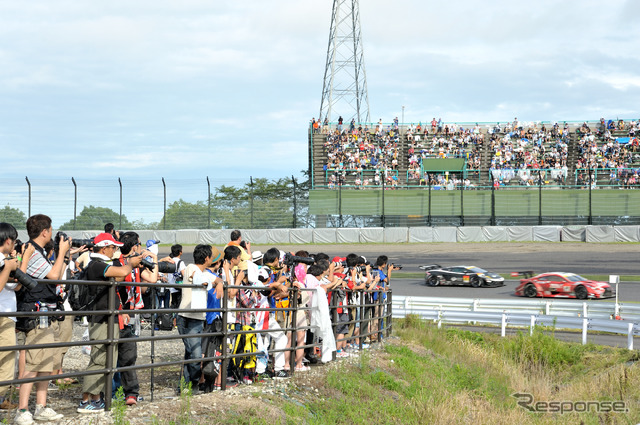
453, 155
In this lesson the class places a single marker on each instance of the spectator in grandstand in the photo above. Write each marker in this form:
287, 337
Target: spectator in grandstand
100, 268
39, 362
8, 237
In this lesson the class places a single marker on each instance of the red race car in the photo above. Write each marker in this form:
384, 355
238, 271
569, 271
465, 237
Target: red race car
561, 285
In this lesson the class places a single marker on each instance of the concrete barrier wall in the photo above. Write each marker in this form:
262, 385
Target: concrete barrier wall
589, 234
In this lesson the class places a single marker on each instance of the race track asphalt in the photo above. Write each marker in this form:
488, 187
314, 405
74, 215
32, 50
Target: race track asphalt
501, 257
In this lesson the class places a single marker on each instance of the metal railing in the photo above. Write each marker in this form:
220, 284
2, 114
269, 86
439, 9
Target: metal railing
382, 307
583, 316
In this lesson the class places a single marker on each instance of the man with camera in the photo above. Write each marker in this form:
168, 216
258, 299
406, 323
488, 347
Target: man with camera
101, 268
40, 362
8, 265
131, 297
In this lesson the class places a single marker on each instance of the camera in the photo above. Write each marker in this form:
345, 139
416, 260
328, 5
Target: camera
397, 266
75, 243
24, 279
290, 260
163, 266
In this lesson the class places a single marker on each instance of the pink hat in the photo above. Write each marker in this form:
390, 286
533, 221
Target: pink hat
106, 239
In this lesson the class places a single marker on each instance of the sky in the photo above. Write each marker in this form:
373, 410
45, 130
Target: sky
225, 89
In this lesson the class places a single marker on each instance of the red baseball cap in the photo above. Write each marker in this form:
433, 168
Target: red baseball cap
105, 239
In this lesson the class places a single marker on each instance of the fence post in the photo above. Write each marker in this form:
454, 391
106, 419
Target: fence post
533, 325
389, 317
503, 331
539, 198
111, 344
293, 306
384, 178
164, 215
251, 199
493, 201
29, 188
585, 324
152, 357
208, 203
120, 183
75, 201
584, 309
590, 222
334, 318
360, 322
295, 204
429, 216
630, 337
340, 202
225, 338
461, 205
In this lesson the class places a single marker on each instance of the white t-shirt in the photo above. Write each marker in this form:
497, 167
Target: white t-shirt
231, 302
7, 295
193, 298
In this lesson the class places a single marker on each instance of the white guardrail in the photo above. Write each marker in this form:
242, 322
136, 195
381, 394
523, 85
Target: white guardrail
585, 316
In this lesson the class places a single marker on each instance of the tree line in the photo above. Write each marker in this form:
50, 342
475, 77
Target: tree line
260, 204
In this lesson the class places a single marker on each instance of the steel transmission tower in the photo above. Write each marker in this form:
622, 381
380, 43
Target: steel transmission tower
344, 91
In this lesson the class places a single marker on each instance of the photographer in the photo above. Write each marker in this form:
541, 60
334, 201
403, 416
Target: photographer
358, 275
40, 362
383, 269
101, 268
8, 237
131, 297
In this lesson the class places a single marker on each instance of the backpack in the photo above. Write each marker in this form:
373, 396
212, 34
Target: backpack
165, 321
244, 343
82, 297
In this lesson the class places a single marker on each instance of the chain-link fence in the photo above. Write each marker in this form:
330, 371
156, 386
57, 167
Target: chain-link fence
257, 203
87, 204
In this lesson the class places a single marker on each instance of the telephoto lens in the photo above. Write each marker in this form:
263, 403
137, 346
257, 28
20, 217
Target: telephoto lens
166, 267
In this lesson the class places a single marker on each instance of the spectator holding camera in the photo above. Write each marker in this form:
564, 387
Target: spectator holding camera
102, 268
383, 271
40, 362
8, 265
131, 297
358, 275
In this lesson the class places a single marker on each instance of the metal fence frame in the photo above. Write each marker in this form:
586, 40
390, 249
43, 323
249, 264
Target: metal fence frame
383, 320
594, 316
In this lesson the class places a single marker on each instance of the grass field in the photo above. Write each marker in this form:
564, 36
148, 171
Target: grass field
451, 376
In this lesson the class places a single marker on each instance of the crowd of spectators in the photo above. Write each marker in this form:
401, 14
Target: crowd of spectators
529, 154
275, 279
525, 153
